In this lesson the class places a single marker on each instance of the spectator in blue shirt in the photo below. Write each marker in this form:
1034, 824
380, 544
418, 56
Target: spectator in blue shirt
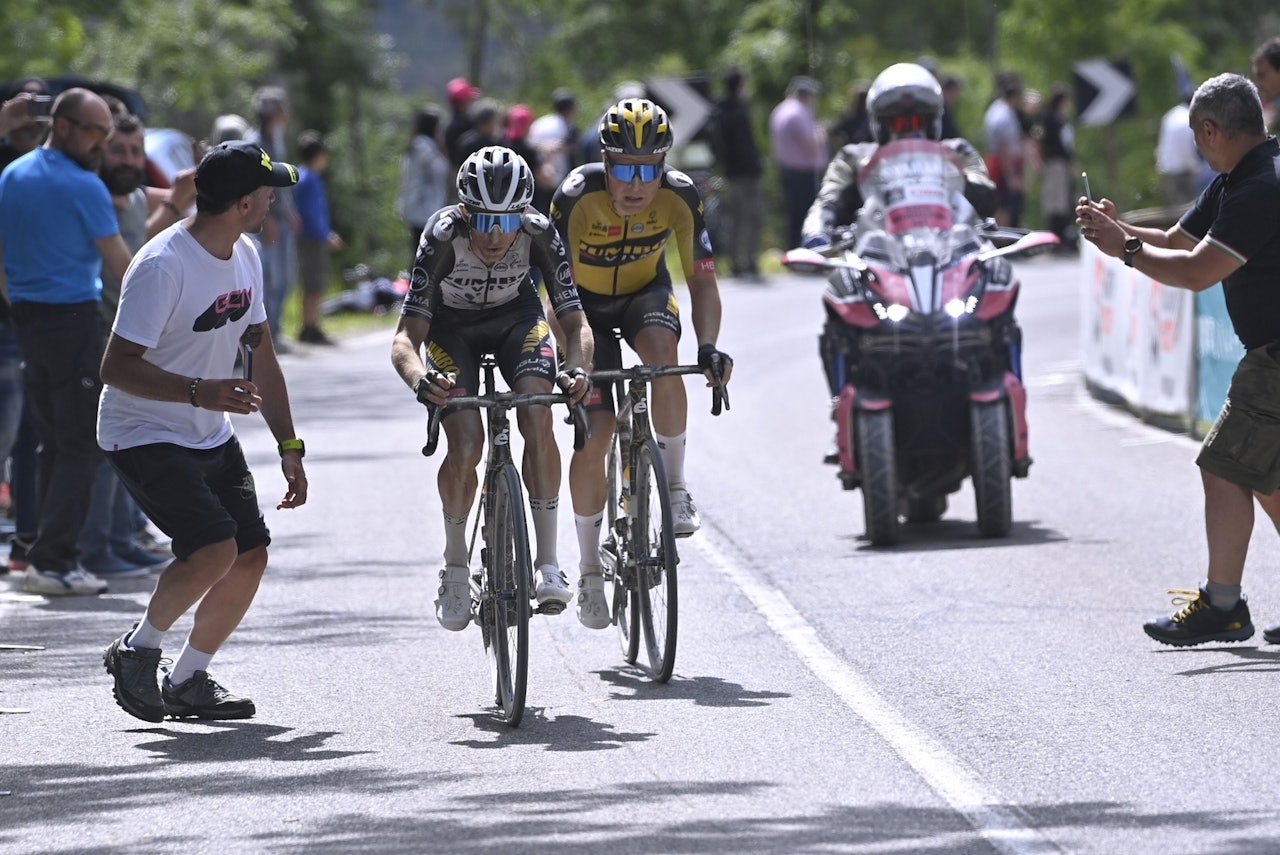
57, 227
317, 240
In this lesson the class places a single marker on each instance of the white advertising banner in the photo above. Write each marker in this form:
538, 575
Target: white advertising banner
1137, 336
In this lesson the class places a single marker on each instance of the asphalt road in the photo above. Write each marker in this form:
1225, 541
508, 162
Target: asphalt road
948, 695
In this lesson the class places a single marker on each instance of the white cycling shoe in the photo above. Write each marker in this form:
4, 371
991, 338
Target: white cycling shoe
552, 587
593, 608
684, 515
453, 607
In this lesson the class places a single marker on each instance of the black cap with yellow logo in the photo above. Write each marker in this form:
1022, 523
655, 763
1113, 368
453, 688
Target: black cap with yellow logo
234, 169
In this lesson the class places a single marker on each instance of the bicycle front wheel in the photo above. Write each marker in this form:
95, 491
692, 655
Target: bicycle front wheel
620, 585
509, 570
654, 542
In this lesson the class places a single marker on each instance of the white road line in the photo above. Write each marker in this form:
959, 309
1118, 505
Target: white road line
989, 813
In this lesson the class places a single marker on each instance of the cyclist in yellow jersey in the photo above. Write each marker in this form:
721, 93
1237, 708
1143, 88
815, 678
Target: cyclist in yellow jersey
616, 219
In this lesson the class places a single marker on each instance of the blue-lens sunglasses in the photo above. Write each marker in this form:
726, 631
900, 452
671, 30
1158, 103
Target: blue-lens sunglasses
627, 171
486, 223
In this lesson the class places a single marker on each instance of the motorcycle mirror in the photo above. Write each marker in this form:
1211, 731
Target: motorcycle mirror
1027, 244
808, 261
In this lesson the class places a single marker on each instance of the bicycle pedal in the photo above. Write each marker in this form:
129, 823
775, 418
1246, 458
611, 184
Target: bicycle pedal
552, 607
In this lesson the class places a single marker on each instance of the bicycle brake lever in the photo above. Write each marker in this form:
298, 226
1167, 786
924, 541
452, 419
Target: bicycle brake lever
581, 426
435, 413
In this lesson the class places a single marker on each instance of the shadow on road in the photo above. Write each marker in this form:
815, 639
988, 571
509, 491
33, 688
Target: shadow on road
241, 741
946, 535
570, 733
703, 691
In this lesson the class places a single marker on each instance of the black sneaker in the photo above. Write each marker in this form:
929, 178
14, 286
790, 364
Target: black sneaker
135, 670
1200, 622
1271, 635
314, 335
202, 697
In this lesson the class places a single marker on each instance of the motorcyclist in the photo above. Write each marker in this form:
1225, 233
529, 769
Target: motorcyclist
904, 102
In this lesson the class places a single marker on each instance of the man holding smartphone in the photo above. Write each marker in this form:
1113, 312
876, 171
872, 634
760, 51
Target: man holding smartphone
1231, 236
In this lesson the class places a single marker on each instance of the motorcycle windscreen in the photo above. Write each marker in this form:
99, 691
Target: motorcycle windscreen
912, 182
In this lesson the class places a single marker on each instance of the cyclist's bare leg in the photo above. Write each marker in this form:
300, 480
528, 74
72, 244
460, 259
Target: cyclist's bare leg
457, 479
587, 483
541, 464
658, 346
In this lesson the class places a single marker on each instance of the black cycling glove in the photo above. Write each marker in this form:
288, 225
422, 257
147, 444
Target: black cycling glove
710, 359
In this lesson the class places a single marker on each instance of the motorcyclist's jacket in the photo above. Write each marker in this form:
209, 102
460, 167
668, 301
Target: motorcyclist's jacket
839, 198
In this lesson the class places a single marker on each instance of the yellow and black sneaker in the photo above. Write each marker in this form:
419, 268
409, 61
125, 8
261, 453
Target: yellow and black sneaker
1198, 622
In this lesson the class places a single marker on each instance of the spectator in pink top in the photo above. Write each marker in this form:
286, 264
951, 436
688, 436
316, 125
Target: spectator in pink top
800, 148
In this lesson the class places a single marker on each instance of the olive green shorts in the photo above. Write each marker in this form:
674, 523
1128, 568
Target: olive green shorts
1244, 445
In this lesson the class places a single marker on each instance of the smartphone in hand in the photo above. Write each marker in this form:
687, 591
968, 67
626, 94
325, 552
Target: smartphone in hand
38, 106
1088, 194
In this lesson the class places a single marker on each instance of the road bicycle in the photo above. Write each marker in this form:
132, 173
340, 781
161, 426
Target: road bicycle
502, 588
639, 554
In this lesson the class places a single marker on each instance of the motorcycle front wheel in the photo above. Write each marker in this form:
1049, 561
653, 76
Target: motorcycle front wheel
878, 466
992, 468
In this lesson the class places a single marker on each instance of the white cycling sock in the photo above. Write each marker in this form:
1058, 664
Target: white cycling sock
672, 450
455, 541
588, 528
545, 513
145, 635
188, 663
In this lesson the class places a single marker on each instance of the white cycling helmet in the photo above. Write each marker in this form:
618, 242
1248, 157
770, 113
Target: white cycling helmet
905, 100
497, 180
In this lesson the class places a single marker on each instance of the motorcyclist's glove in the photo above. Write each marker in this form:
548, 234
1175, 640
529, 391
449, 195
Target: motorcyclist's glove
817, 242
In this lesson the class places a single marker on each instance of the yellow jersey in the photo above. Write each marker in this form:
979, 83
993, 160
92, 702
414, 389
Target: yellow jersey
614, 254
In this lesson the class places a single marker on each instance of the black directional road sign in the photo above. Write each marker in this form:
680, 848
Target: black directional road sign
1105, 90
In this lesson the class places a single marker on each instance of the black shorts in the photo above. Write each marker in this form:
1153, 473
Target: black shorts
196, 496
654, 305
517, 334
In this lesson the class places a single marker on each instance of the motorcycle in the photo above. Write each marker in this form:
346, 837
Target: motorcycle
921, 345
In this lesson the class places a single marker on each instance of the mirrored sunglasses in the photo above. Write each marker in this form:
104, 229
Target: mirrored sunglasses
627, 171
486, 223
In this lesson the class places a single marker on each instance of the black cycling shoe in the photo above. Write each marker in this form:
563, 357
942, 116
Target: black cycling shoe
203, 697
1271, 635
136, 688
1200, 622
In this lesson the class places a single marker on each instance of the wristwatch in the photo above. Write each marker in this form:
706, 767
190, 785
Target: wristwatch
1131, 248
293, 445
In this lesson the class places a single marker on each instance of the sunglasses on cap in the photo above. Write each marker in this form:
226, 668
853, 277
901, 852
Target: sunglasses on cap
627, 171
486, 223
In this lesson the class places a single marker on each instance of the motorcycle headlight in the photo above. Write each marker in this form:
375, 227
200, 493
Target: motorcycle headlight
957, 307
893, 312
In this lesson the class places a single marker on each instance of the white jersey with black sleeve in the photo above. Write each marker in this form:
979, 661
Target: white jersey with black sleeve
446, 272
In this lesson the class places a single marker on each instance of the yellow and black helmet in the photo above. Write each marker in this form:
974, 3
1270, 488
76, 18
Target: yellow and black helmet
635, 126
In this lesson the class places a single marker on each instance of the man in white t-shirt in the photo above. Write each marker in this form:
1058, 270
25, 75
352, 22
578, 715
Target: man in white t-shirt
191, 297
1177, 158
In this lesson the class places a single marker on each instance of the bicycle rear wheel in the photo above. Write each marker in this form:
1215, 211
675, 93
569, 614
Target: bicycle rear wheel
620, 585
654, 542
509, 572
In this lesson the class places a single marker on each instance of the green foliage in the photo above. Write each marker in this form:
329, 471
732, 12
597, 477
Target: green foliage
195, 59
